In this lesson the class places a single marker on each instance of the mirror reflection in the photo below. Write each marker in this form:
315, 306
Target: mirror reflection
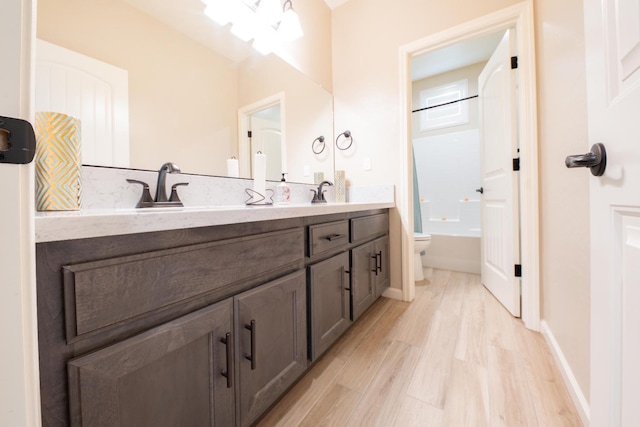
158, 81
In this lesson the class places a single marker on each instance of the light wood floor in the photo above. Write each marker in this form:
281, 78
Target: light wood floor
453, 357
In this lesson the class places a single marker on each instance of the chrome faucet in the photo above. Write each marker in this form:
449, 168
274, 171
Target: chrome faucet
161, 190
318, 195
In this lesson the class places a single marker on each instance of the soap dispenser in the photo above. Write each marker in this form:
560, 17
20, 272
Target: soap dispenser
283, 192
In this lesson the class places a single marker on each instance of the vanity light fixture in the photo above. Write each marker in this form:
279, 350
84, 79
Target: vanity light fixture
267, 22
347, 135
321, 145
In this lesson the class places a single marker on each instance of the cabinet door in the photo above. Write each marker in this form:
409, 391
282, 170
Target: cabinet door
271, 324
363, 269
171, 375
329, 302
383, 278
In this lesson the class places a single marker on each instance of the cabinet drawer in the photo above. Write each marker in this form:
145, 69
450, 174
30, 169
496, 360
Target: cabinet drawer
115, 291
368, 227
328, 237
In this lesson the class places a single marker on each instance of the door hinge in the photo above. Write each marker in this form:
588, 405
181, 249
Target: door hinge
249, 134
518, 270
514, 62
516, 164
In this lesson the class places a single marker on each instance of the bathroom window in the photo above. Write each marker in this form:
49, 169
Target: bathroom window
447, 115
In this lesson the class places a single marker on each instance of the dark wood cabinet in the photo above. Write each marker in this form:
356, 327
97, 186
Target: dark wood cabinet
174, 374
329, 303
363, 268
369, 261
198, 327
383, 278
271, 329
369, 274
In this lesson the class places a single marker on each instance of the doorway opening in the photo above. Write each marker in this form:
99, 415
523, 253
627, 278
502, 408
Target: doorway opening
261, 129
519, 17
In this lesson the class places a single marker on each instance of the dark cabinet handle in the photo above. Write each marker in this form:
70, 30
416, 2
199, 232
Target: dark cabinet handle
228, 374
379, 261
348, 288
596, 160
375, 269
333, 237
480, 190
252, 357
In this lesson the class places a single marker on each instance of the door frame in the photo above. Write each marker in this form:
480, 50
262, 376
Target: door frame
244, 144
519, 16
20, 389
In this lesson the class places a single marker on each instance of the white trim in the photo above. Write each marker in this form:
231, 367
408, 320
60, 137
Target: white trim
244, 155
520, 16
19, 389
581, 403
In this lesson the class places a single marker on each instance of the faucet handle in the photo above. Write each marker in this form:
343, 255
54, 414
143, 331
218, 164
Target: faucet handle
146, 195
174, 192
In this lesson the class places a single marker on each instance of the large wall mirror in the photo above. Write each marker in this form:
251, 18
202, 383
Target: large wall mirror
186, 85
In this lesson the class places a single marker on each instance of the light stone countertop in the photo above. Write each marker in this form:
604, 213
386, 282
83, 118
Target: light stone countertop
55, 226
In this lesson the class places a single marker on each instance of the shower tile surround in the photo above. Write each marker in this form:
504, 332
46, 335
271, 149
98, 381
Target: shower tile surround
448, 169
108, 205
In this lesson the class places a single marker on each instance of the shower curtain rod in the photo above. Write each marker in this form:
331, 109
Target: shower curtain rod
446, 103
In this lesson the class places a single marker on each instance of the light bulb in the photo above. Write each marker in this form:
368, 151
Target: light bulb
265, 40
270, 11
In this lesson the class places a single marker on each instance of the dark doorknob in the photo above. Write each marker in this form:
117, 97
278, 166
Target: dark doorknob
596, 160
480, 190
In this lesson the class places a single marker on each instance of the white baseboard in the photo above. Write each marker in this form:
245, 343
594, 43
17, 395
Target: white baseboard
451, 263
393, 293
570, 381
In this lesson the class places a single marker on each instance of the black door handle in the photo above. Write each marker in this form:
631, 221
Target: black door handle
480, 190
596, 160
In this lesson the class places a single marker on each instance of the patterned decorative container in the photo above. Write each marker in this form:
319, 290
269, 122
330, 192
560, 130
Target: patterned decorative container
57, 163
340, 187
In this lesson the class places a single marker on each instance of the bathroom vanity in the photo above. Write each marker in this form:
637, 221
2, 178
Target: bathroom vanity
195, 316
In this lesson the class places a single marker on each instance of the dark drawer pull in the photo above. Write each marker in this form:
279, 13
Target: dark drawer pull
333, 237
375, 269
252, 355
379, 261
228, 374
348, 288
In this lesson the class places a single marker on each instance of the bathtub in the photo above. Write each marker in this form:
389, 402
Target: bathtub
455, 242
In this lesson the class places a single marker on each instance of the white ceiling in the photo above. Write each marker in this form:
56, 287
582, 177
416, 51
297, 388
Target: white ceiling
455, 56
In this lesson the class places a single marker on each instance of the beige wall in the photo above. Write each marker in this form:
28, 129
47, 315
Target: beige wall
312, 54
367, 35
182, 96
564, 193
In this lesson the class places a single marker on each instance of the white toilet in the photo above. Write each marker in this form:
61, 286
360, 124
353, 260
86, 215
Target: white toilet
421, 243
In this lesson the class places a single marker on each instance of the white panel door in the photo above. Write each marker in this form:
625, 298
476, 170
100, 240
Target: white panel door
612, 31
498, 140
95, 92
267, 137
